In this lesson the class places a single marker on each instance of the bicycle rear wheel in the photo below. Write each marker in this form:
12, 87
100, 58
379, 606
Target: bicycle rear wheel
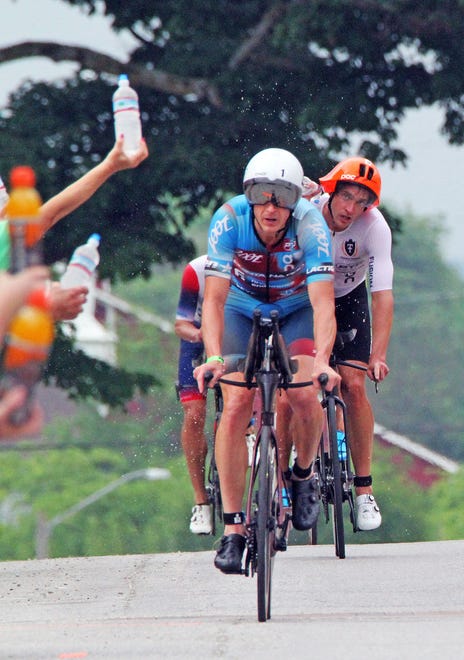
337, 489
265, 522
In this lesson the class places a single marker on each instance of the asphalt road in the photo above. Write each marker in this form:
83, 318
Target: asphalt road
381, 602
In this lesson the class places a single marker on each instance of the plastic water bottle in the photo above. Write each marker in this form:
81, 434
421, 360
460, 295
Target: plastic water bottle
285, 497
82, 264
25, 221
127, 115
341, 445
28, 342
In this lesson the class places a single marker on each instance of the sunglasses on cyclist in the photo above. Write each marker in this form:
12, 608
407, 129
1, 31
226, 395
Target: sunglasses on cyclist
282, 195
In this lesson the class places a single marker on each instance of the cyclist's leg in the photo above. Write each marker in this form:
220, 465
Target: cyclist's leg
307, 418
360, 421
352, 311
297, 330
231, 450
307, 414
194, 442
232, 462
284, 430
193, 403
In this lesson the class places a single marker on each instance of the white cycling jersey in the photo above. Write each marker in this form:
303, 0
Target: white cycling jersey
362, 250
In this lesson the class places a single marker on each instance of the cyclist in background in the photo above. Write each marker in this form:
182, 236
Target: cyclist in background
193, 439
361, 240
268, 248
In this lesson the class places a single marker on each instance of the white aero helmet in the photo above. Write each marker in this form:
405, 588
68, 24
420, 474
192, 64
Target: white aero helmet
274, 175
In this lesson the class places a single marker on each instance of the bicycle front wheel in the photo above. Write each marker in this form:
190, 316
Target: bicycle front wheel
337, 489
265, 522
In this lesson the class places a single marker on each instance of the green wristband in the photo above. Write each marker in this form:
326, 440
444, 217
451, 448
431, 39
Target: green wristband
215, 358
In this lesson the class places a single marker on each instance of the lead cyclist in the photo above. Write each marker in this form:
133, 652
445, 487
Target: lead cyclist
271, 248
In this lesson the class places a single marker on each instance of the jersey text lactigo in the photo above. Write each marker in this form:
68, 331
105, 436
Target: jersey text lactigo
277, 275
362, 250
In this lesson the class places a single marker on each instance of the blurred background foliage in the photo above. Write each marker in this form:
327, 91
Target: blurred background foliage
323, 79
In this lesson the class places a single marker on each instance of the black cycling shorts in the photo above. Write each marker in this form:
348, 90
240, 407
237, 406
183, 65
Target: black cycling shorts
352, 311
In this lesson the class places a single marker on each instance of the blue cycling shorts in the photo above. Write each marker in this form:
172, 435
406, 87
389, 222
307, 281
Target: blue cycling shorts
187, 386
296, 327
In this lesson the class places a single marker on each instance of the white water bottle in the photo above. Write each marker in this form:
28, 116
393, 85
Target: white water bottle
82, 264
127, 115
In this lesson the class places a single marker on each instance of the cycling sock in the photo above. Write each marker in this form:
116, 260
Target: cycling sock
362, 482
237, 518
301, 473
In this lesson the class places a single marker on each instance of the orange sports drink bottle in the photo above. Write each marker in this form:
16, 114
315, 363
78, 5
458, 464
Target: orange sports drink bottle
25, 222
27, 347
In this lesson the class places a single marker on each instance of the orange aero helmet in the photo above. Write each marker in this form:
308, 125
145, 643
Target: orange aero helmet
356, 170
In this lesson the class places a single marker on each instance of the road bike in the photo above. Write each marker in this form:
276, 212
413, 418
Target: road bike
333, 462
267, 367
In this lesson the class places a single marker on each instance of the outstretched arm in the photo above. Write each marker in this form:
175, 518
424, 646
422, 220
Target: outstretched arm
69, 199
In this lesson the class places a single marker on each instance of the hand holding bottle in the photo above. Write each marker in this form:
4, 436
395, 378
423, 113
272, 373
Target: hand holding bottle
66, 304
119, 160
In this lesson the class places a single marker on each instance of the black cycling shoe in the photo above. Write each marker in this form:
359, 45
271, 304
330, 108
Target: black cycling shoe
229, 556
305, 503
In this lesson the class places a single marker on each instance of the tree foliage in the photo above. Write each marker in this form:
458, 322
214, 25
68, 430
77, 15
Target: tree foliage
319, 78
421, 396
84, 377
218, 81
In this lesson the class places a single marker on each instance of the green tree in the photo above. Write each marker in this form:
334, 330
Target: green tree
317, 77
320, 78
445, 519
421, 396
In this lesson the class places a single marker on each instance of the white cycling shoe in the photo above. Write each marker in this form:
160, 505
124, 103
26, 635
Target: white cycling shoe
367, 513
201, 521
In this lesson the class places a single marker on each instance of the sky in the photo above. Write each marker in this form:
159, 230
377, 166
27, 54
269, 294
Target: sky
427, 187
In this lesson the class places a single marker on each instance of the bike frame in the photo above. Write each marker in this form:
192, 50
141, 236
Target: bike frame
268, 367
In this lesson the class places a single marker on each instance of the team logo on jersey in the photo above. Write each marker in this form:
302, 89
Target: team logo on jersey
350, 248
289, 244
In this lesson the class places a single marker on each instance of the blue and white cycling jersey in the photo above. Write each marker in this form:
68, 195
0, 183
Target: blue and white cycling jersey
276, 275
